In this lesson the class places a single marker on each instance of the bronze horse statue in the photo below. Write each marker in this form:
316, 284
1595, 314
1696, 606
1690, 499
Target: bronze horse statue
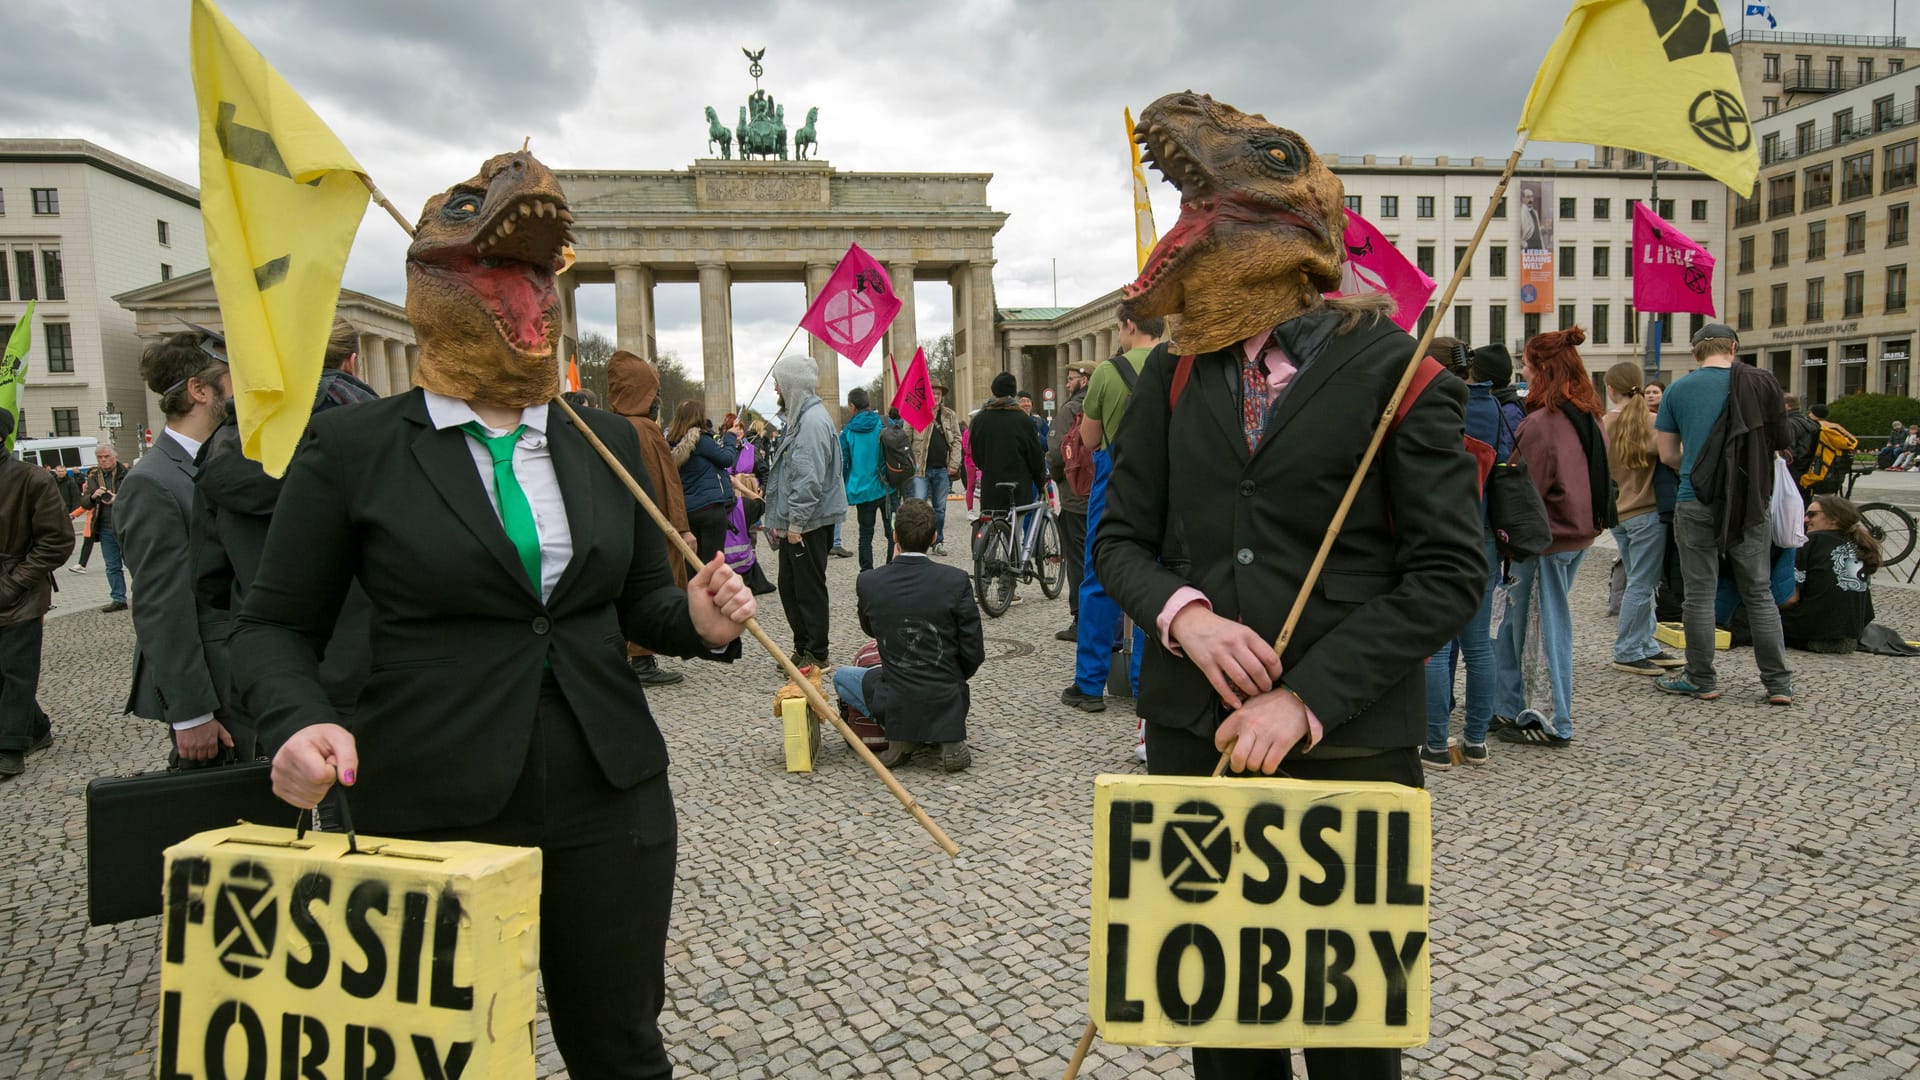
804, 138
717, 133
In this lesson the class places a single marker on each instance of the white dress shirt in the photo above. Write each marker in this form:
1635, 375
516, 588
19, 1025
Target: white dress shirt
532, 466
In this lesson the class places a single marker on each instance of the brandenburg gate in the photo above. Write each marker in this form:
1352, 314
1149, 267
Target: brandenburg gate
722, 221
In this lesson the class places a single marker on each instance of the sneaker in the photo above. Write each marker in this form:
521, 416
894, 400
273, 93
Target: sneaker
939, 549
1084, 702
1780, 697
1640, 667
1534, 735
897, 753
1071, 633
1140, 746
841, 553
12, 763
955, 757
1474, 753
117, 605
1680, 684
76, 569
1016, 598
1439, 760
1499, 724
1667, 660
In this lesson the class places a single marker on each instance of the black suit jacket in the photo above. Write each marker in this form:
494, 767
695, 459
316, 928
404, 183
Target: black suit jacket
460, 638
180, 662
923, 617
1187, 505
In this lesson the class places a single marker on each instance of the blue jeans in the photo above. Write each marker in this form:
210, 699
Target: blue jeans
1553, 574
846, 686
1641, 539
116, 578
866, 512
1476, 649
934, 486
1099, 613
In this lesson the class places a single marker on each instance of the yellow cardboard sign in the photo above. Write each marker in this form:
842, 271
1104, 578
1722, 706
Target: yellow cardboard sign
296, 958
1260, 913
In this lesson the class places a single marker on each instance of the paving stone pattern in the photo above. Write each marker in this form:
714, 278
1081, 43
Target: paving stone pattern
1693, 889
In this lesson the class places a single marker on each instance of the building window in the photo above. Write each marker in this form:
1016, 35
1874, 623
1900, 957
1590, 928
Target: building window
46, 200
1666, 329
66, 423
1500, 210
24, 277
1770, 67
164, 239
1883, 113
1896, 288
1665, 209
1896, 226
1529, 326
1743, 319
1866, 69
1699, 210
1460, 256
1856, 176
1769, 106
1423, 206
1803, 138
1899, 167
6, 287
1746, 254
1497, 260
1389, 206
1746, 211
1463, 206
1833, 72
1602, 255
1567, 210
1566, 317
1770, 148
1497, 323
59, 348
1853, 295
1816, 240
1780, 196
1423, 258
1694, 322
1602, 209
3, 203
1777, 306
1353, 203
166, 272
1779, 249
1632, 327
1635, 160
1819, 187
1856, 233
1426, 320
1463, 322
56, 280
1568, 259
1895, 65
1631, 203
1843, 125
1802, 69
1816, 299
1626, 259
1597, 333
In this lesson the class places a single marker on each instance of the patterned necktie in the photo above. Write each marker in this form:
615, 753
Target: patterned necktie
516, 513
1263, 379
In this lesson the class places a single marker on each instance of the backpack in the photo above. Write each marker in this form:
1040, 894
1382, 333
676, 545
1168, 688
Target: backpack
896, 455
1076, 459
1832, 457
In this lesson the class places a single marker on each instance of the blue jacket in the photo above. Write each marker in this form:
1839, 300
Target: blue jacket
700, 476
861, 464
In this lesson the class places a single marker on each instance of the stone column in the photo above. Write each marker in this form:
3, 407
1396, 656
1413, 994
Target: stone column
1108, 343
633, 307
980, 331
824, 358
904, 337
399, 378
716, 338
373, 361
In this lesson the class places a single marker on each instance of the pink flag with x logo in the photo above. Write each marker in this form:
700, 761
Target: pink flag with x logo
1374, 265
1671, 273
855, 308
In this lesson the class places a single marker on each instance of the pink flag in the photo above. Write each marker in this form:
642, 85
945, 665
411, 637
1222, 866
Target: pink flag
914, 399
1671, 273
854, 308
1375, 265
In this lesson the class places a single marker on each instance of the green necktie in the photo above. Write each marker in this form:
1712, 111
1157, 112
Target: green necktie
516, 513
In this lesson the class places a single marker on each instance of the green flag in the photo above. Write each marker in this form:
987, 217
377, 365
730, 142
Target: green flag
13, 372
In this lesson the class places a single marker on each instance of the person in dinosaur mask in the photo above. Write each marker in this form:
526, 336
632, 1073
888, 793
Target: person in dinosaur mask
1229, 476
507, 564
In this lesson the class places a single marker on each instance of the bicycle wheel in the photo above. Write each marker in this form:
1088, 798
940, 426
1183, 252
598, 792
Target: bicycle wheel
1893, 527
992, 569
1047, 563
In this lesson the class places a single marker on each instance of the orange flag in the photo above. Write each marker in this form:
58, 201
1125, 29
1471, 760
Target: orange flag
573, 372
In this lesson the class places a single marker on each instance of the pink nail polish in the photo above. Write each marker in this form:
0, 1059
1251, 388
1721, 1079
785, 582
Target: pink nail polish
347, 778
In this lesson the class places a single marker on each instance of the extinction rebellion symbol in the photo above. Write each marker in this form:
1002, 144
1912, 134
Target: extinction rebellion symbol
1721, 121
244, 919
849, 318
1197, 851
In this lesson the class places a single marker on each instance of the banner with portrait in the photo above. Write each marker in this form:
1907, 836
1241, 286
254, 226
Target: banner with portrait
1535, 219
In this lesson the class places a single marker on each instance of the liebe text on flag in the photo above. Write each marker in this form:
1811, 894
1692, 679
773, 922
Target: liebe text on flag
1375, 265
854, 308
1671, 273
915, 397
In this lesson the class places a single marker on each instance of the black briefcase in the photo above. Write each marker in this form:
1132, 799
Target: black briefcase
131, 820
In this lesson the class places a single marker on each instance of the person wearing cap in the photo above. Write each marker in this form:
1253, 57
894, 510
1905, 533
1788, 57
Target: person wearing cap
179, 668
1726, 482
1073, 504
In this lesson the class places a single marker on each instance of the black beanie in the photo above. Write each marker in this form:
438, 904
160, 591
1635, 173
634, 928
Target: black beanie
1494, 364
1004, 384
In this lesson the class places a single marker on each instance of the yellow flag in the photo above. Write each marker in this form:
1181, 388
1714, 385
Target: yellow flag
1144, 235
281, 199
1657, 78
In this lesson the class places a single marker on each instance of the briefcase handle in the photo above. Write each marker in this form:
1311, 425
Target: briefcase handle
339, 795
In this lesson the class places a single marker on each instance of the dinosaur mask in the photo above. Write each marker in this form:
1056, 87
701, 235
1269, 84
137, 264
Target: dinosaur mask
1260, 229
480, 284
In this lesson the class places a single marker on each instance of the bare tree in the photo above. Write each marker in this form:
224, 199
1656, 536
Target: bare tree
939, 359
677, 384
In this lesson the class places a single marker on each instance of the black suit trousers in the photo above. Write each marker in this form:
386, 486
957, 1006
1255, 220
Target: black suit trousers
21, 720
803, 590
1178, 752
606, 895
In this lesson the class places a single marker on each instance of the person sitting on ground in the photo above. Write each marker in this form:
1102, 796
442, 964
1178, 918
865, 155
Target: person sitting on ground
1833, 599
922, 615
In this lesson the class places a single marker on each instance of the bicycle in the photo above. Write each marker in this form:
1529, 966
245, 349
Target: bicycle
1891, 525
999, 564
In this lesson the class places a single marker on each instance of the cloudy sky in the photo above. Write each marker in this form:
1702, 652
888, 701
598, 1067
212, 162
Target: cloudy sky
423, 90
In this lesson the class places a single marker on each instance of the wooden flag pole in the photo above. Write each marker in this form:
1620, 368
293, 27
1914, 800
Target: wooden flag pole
769, 374
381, 198
814, 697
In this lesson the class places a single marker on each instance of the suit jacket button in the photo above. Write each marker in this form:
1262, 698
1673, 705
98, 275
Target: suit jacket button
541, 625
1245, 556
1246, 487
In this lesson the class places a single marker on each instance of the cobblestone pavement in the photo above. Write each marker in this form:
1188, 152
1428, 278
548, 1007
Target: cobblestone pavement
1693, 889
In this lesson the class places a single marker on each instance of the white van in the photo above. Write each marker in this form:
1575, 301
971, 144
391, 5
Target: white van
75, 452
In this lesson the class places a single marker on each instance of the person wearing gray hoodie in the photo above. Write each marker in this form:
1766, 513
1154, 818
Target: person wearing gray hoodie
805, 500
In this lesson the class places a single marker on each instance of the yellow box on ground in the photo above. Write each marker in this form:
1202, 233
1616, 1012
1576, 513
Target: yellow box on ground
1675, 635
296, 957
802, 733
1260, 912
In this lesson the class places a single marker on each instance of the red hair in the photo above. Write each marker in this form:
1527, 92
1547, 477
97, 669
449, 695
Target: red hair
1559, 375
